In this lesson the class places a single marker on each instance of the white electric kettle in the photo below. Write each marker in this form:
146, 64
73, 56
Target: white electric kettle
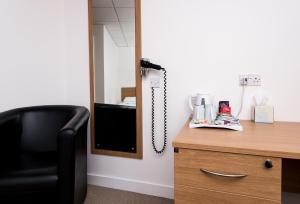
197, 100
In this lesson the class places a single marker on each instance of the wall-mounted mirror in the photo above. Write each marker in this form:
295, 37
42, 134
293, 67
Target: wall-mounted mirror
115, 51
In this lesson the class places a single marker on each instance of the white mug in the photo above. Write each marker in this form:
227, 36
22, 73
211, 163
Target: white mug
210, 113
198, 113
196, 99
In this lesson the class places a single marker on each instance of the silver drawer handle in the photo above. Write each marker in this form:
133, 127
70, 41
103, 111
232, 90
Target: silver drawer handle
224, 175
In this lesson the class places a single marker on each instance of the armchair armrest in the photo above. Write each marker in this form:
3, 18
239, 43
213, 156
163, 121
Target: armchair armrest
72, 165
81, 116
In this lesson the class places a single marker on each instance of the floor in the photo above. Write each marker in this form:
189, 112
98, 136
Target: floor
101, 195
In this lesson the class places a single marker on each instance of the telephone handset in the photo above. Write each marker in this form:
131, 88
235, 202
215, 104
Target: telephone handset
146, 65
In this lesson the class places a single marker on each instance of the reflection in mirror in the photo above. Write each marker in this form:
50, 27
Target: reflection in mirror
114, 52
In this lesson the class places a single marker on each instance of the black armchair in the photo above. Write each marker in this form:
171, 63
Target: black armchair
43, 155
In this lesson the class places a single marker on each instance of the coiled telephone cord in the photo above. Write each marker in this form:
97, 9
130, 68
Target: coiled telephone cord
165, 117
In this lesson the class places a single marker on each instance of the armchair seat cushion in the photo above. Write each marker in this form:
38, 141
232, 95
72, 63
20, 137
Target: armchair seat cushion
30, 171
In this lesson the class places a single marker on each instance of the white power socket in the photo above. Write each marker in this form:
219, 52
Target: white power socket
155, 82
250, 80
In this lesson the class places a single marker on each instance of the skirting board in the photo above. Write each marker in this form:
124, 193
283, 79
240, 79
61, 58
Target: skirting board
137, 186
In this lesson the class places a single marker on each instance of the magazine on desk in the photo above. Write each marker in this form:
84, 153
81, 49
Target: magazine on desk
224, 121
237, 127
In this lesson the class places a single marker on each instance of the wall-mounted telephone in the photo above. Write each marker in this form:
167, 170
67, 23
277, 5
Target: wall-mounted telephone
146, 65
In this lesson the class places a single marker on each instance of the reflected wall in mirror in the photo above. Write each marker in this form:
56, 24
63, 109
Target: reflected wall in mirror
114, 50
115, 80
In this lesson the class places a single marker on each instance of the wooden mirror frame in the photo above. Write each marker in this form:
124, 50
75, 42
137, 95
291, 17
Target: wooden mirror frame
138, 77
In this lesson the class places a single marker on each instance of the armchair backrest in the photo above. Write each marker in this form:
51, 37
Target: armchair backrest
40, 128
36, 129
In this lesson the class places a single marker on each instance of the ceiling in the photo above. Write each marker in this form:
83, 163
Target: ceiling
118, 16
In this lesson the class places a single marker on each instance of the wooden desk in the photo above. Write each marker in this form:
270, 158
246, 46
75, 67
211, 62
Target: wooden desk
225, 166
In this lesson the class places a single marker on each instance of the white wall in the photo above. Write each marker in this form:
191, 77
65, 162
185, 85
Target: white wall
77, 52
126, 75
32, 53
207, 44
112, 91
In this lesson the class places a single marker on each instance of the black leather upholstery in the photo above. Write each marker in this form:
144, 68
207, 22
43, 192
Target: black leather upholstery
43, 154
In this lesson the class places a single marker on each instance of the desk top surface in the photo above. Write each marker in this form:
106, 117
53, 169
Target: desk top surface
281, 139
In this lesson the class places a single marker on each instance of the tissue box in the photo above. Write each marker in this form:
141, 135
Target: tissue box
263, 114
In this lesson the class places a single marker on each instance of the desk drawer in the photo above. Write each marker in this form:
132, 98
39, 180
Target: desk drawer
231, 173
188, 195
